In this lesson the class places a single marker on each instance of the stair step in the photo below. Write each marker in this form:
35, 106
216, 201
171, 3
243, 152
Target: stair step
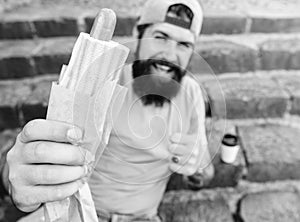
23, 58
218, 54
275, 201
65, 20
266, 146
272, 155
253, 95
23, 100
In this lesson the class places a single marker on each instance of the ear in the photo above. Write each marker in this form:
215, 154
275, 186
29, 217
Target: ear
135, 37
135, 32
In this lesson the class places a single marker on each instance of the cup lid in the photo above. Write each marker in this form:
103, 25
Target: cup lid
230, 140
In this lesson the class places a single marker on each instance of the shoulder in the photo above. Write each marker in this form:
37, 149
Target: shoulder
191, 86
193, 94
188, 80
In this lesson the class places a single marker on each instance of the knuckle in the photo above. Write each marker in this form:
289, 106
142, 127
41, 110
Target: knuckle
10, 157
39, 150
13, 153
13, 177
19, 135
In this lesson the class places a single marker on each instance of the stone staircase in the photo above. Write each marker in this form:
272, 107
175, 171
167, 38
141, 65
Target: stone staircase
254, 93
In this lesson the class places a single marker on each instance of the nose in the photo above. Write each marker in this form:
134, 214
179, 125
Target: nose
169, 51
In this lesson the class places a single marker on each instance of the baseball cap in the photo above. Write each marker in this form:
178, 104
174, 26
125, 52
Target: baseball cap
156, 11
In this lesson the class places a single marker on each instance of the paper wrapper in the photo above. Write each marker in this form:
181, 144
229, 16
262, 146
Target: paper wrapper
93, 114
89, 103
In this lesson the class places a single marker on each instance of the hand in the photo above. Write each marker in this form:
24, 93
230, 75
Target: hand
44, 166
185, 154
201, 178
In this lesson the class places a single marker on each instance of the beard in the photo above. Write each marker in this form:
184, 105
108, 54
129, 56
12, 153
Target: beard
153, 88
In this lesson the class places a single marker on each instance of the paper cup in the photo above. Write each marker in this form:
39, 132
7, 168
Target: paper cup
230, 148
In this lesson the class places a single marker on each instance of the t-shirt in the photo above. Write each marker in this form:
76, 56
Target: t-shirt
132, 173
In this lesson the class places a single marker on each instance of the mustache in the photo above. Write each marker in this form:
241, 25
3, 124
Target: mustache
155, 62
142, 67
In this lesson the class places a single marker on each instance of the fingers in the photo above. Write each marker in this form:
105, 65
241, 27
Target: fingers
58, 192
182, 169
183, 160
201, 178
183, 154
184, 164
50, 131
31, 198
195, 181
55, 153
183, 150
43, 166
51, 174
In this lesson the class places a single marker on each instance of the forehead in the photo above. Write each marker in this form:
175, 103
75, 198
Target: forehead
174, 32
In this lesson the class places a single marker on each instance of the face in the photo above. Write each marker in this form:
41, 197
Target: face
163, 55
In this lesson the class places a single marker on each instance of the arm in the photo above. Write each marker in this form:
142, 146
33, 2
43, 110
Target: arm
195, 159
206, 171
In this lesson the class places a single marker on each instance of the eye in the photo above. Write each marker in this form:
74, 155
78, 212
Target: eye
160, 37
185, 45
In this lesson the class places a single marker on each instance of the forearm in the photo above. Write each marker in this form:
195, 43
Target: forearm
205, 166
4, 177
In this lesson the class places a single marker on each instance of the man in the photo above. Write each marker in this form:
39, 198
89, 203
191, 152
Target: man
160, 129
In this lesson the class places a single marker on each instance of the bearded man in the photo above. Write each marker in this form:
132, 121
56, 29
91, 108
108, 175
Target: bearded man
160, 129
